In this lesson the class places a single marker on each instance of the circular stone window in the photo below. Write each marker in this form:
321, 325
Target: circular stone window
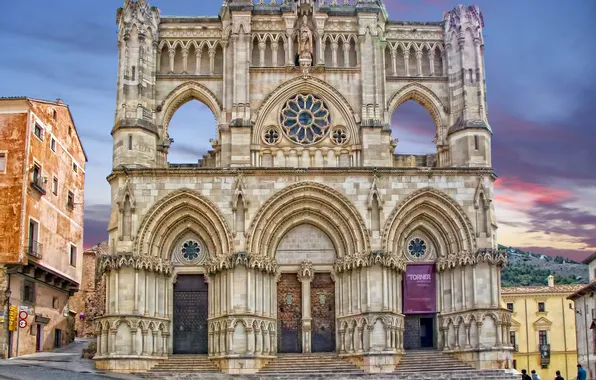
305, 119
417, 248
271, 136
339, 136
190, 250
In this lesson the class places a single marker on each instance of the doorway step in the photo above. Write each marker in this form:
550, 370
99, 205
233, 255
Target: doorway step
186, 363
310, 364
424, 361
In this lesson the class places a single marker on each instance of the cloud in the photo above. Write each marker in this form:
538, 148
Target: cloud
67, 34
97, 217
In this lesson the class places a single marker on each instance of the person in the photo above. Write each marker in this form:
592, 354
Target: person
535, 375
581, 373
525, 375
559, 377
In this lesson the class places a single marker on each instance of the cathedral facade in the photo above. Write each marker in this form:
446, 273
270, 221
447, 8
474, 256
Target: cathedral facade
301, 230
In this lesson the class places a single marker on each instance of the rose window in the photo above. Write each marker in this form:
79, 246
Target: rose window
191, 250
417, 247
305, 119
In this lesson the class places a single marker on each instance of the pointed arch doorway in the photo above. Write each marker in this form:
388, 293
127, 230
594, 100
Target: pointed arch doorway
190, 314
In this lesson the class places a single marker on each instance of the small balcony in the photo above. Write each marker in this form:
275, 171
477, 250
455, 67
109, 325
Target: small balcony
34, 249
39, 184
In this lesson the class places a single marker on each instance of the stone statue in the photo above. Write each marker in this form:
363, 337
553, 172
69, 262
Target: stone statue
305, 45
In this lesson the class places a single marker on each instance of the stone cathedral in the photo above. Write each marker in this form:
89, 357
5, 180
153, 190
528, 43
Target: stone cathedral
301, 231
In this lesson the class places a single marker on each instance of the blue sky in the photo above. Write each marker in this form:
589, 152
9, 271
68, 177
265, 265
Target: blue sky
540, 87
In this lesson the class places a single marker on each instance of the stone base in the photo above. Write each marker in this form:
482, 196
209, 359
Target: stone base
375, 362
127, 364
486, 358
240, 365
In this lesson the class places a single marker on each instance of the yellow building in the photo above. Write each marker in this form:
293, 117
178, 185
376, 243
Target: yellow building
543, 328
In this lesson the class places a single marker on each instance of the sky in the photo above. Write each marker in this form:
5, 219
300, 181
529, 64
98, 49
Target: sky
541, 89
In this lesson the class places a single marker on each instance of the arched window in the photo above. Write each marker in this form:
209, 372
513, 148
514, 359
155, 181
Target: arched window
191, 127
126, 219
240, 214
375, 214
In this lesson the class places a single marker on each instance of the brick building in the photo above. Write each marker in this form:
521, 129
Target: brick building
88, 302
42, 177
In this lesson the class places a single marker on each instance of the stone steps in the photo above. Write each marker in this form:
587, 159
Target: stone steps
186, 363
312, 364
455, 375
424, 361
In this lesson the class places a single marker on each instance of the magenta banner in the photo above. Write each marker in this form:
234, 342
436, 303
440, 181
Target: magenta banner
419, 292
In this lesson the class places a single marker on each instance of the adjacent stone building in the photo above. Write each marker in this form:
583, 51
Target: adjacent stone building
543, 328
584, 307
301, 231
42, 178
88, 303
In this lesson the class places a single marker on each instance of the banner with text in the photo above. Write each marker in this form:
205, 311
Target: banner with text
419, 291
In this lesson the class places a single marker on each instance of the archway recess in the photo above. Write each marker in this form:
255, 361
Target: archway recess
183, 94
427, 99
178, 212
308, 203
436, 213
301, 85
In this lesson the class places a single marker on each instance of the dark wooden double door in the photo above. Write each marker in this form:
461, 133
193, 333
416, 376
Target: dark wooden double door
419, 331
289, 313
190, 315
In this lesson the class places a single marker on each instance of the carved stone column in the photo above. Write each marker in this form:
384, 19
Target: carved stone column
342, 341
407, 62
262, 46
212, 61
113, 341
133, 341
346, 48
198, 54
144, 333
431, 59
185, 61
274, 48
172, 55
305, 276
468, 345
250, 341
419, 62
334, 47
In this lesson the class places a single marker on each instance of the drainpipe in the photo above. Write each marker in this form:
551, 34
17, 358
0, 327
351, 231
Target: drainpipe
587, 328
527, 334
565, 336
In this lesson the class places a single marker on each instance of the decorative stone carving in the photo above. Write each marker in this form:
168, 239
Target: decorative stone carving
122, 260
140, 14
380, 257
306, 272
305, 42
263, 263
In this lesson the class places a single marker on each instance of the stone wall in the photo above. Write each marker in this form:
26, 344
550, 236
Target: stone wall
87, 302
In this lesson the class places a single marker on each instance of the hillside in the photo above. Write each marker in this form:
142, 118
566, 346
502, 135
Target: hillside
530, 268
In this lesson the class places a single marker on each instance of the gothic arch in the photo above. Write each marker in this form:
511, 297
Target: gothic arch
177, 213
183, 94
423, 96
435, 212
308, 203
309, 84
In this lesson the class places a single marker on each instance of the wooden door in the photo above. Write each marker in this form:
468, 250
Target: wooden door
289, 313
190, 315
322, 300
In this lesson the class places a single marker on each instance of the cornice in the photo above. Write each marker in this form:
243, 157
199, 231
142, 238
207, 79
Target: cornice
409, 80
186, 77
299, 172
